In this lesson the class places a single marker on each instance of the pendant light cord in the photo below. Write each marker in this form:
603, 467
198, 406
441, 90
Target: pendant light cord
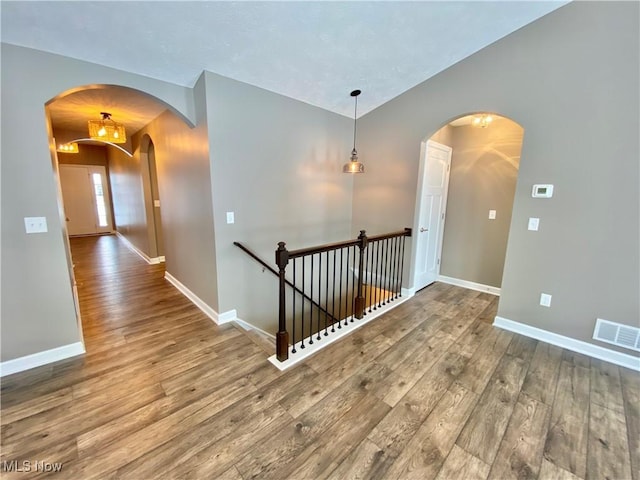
355, 122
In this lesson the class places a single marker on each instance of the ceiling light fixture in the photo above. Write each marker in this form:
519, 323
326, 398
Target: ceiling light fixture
354, 166
482, 121
107, 130
68, 147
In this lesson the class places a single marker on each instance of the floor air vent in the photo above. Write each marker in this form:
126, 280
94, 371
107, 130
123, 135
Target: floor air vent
617, 334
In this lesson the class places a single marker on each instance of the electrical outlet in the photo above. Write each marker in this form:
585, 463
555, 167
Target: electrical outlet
35, 224
534, 223
230, 217
492, 214
545, 300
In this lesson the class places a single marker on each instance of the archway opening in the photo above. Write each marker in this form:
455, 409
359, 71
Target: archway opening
468, 175
125, 196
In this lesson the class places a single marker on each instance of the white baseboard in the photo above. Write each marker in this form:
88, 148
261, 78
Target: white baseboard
140, 253
228, 316
589, 349
41, 358
248, 326
218, 318
408, 292
470, 285
310, 349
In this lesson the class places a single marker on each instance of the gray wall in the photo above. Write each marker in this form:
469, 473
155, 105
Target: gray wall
277, 164
182, 162
129, 209
483, 174
38, 311
571, 81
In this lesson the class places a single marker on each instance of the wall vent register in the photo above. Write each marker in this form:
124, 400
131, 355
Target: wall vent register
617, 334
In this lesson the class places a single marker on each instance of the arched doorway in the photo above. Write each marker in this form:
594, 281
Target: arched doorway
130, 167
468, 175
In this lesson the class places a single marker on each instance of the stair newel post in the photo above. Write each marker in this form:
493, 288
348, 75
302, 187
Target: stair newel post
282, 337
360, 301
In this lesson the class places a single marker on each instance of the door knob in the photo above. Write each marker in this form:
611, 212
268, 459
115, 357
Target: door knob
422, 229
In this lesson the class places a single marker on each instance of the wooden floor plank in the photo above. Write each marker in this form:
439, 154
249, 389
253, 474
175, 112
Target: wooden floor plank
425, 454
630, 381
461, 464
542, 376
428, 390
482, 434
608, 453
520, 453
566, 442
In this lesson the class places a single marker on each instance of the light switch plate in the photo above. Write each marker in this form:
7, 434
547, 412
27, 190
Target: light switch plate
35, 224
545, 299
492, 214
534, 223
230, 217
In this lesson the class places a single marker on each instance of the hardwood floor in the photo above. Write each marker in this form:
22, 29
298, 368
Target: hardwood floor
430, 390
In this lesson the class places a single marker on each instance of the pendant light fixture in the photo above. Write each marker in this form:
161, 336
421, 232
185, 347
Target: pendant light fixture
482, 120
354, 166
68, 148
106, 130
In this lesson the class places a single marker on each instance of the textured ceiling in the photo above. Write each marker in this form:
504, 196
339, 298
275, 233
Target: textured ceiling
316, 52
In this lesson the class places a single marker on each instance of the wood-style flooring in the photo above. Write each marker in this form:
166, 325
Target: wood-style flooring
429, 390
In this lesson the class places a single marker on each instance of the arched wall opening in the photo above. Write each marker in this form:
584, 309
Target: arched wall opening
132, 177
466, 187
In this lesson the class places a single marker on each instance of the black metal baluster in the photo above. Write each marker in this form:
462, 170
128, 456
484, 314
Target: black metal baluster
319, 292
392, 270
379, 277
333, 305
404, 239
326, 290
376, 276
303, 300
399, 280
346, 299
353, 287
383, 279
311, 313
371, 285
340, 297
397, 269
293, 310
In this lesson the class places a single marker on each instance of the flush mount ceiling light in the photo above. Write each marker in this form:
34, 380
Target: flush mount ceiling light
354, 166
482, 121
107, 130
68, 147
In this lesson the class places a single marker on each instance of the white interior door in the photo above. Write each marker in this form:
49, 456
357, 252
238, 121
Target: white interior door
86, 199
431, 213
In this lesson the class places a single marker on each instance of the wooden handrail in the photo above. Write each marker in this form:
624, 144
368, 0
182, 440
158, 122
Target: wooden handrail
349, 243
275, 272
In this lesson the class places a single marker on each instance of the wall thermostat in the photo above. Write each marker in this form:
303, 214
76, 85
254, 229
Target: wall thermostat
542, 191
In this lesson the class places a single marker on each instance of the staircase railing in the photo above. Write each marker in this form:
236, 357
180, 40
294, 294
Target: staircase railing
275, 272
356, 275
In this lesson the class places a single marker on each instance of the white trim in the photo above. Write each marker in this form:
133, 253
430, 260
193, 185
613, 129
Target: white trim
228, 316
247, 326
161, 259
41, 358
408, 292
310, 349
470, 285
140, 253
589, 349
217, 318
